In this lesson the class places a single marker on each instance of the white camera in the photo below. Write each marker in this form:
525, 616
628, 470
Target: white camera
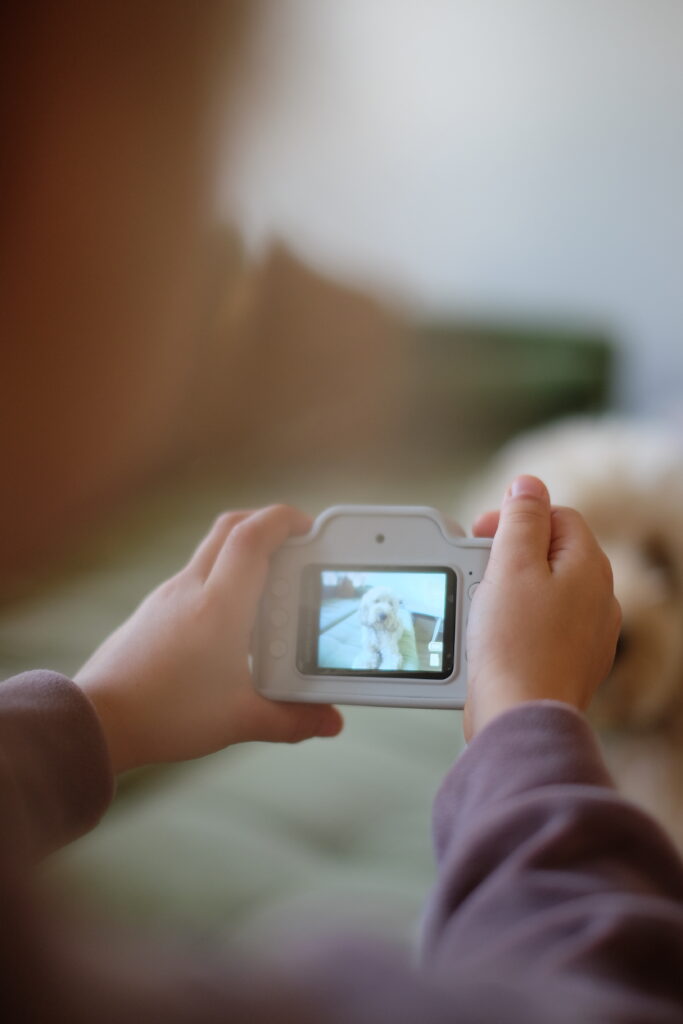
370, 607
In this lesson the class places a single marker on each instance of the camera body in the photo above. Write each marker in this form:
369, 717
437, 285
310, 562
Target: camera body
370, 607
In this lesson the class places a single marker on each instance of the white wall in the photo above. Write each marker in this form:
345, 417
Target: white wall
514, 155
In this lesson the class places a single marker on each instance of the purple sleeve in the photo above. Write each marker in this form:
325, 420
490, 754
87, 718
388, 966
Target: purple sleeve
54, 766
555, 900
551, 887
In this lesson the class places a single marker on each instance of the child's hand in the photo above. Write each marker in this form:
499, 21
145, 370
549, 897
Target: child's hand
544, 622
173, 682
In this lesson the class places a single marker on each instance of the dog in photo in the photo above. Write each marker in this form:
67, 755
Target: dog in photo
381, 631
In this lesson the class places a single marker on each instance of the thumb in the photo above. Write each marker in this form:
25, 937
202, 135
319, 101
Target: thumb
524, 530
282, 722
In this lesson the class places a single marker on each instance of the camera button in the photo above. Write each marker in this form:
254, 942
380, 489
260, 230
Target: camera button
464, 636
277, 648
279, 617
279, 588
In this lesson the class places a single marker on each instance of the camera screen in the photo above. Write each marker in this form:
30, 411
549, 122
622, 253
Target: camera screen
377, 621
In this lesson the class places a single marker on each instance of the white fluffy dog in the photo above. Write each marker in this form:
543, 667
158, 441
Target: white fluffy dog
381, 630
626, 478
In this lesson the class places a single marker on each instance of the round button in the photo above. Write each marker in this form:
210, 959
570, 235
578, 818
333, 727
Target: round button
277, 648
472, 589
279, 617
279, 588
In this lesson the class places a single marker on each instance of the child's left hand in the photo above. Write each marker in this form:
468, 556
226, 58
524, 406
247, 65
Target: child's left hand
173, 682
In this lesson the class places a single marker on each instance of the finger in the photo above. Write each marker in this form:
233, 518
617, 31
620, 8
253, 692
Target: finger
207, 550
242, 562
467, 721
570, 537
279, 722
523, 535
487, 524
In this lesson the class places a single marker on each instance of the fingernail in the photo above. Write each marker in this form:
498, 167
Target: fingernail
528, 487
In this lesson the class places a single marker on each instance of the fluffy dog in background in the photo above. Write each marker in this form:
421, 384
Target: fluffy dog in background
381, 630
626, 478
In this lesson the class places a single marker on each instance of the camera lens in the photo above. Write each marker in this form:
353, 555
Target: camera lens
380, 538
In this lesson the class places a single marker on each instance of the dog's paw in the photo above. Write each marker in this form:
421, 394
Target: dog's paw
392, 663
365, 661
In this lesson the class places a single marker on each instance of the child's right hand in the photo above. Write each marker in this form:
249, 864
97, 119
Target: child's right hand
544, 622
173, 682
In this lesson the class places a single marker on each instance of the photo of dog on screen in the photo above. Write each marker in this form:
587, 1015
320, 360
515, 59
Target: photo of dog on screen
385, 621
381, 630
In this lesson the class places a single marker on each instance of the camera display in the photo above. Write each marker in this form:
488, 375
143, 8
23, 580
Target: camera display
377, 620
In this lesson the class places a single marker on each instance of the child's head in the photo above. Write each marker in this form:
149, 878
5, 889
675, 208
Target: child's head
111, 129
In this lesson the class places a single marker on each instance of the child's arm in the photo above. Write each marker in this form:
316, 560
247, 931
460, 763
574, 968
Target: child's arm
556, 899
55, 775
173, 682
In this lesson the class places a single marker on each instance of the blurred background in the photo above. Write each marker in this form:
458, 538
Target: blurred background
471, 157
314, 252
